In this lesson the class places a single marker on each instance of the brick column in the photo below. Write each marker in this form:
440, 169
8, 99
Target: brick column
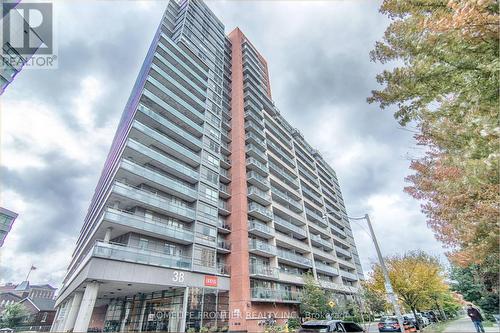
239, 294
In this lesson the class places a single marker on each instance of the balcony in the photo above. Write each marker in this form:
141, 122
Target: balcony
251, 127
225, 148
274, 296
284, 199
129, 222
122, 252
261, 248
153, 137
319, 241
338, 232
260, 212
283, 176
256, 152
224, 207
294, 258
260, 229
224, 191
225, 161
289, 277
154, 201
342, 252
225, 175
315, 217
327, 269
225, 135
148, 117
258, 166
223, 246
284, 210
348, 276
259, 196
223, 227
254, 139
311, 194
344, 263
258, 180
142, 152
321, 254
286, 241
288, 227
142, 174
338, 287
280, 153
263, 272
251, 115
223, 269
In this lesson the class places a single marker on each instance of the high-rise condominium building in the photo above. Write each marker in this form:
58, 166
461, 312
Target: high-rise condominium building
209, 210
7, 219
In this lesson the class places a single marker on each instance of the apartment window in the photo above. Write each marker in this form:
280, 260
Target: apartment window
209, 175
211, 144
212, 160
209, 193
206, 232
207, 211
204, 256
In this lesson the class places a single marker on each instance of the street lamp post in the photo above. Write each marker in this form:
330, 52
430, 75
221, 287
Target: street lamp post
388, 286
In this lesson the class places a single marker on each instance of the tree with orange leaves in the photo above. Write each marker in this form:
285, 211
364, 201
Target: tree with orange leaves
446, 83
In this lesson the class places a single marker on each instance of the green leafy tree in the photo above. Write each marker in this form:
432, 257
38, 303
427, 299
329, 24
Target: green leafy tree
376, 301
445, 81
13, 315
314, 301
416, 277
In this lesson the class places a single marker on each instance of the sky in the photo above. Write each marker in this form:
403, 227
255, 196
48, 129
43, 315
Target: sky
57, 124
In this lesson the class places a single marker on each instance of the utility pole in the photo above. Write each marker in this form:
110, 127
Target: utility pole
388, 285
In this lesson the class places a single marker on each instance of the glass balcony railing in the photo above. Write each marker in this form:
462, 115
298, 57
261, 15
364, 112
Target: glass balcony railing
153, 199
263, 270
283, 175
169, 163
324, 242
326, 268
258, 180
224, 188
345, 253
348, 275
252, 137
141, 256
261, 227
316, 217
223, 269
257, 245
293, 204
252, 162
294, 257
274, 295
173, 184
169, 125
224, 245
198, 129
142, 223
167, 142
280, 153
255, 191
289, 225
255, 208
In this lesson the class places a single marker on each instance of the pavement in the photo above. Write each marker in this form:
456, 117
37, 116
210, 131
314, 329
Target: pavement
464, 325
461, 325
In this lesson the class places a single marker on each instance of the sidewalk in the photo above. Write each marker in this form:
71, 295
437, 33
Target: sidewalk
464, 324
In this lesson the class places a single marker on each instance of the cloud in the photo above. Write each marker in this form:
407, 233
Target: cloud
57, 125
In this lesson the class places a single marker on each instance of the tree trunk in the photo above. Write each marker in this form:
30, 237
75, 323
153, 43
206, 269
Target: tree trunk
417, 322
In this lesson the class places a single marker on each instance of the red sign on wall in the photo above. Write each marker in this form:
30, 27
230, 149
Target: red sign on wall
210, 281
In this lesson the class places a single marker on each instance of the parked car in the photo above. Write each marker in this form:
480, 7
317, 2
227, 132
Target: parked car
420, 321
391, 324
431, 315
326, 326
